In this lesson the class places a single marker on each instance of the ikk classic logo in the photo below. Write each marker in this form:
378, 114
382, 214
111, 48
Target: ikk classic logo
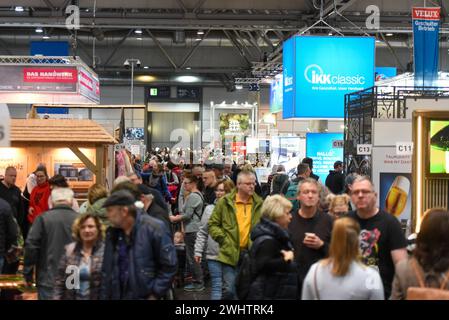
324, 70
314, 74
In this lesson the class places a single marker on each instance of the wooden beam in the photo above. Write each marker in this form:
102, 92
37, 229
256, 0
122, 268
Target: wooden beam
89, 164
99, 156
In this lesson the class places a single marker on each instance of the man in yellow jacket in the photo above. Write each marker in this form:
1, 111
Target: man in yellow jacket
231, 223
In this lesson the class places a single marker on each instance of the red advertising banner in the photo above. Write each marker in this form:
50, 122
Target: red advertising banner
54, 75
426, 13
89, 85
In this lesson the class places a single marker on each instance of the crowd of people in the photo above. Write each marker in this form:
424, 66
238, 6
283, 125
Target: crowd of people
171, 225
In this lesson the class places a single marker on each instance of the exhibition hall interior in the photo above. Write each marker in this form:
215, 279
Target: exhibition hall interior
224, 150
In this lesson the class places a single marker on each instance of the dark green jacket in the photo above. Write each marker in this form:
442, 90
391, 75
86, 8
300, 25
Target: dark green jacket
224, 229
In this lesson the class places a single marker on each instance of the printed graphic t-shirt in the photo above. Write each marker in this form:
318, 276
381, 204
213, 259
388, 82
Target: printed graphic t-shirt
379, 236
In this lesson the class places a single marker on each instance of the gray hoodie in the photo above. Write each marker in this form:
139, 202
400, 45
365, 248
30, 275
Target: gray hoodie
203, 238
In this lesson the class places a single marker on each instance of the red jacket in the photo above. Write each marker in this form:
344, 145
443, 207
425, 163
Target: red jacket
39, 200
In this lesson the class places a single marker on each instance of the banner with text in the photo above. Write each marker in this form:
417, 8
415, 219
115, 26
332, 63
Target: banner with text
325, 149
426, 26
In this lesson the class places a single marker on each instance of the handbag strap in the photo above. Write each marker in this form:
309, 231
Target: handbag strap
445, 281
419, 276
315, 285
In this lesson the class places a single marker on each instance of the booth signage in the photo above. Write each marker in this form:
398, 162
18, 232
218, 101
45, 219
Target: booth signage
89, 85
319, 71
426, 27
38, 79
392, 178
383, 73
320, 147
338, 144
404, 148
364, 149
288, 76
276, 93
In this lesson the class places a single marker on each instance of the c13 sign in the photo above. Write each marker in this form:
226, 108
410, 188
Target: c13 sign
319, 71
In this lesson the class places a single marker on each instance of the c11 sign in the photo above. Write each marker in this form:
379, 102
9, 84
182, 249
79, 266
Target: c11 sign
319, 71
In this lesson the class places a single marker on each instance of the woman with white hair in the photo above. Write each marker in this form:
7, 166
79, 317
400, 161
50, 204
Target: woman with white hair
275, 275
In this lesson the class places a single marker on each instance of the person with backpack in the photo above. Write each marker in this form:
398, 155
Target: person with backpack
280, 182
342, 276
191, 217
303, 172
425, 275
157, 180
274, 272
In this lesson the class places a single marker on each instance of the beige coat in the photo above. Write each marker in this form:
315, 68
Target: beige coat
405, 277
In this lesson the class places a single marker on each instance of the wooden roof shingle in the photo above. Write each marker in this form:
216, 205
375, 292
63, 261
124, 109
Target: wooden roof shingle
59, 130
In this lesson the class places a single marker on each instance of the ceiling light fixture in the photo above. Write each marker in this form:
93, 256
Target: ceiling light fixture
39, 30
187, 79
45, 37
200, 32
389, 34
138, 31
18, 9
146, 67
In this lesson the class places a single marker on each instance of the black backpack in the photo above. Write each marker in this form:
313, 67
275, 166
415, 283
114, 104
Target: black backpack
281, 183
247, 271
200, 215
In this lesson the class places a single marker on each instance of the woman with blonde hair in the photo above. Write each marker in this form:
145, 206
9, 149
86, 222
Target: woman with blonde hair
275, 275
86, 254
338, 205
343, 276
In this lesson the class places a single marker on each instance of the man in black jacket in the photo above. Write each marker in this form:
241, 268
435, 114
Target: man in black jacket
309, 161
209, 181
48, 236
152, 207
12, 194
8, 230
335, 181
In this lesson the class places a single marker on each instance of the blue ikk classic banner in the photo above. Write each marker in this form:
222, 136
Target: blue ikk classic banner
319, 71
288, 76
324, 149
426, 27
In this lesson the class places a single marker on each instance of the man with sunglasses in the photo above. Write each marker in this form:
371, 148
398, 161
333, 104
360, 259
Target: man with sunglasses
382, 241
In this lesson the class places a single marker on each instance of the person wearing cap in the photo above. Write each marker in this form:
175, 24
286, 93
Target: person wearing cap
44, 246
139, 259
335, 181
152, 207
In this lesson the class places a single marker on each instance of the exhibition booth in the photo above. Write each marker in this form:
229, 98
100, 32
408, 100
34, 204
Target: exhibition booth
75, 149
